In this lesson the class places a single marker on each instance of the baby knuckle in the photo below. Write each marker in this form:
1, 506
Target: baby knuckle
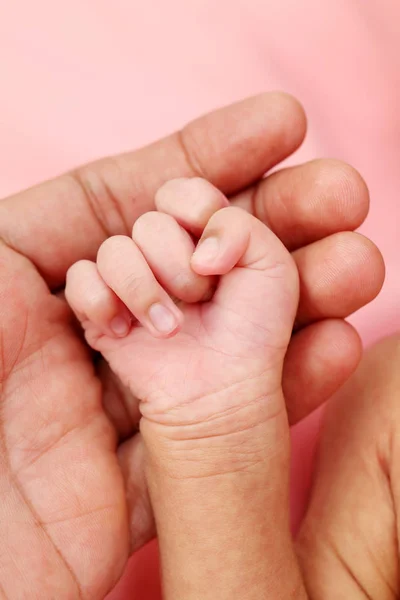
149, 220
98, 300
110, 247
134, 285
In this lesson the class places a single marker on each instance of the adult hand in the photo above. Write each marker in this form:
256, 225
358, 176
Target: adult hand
65, 522
348, 544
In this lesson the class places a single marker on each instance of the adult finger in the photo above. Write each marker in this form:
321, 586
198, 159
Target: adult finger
308, 202
72, 215
140, 512
338, 275
320, 358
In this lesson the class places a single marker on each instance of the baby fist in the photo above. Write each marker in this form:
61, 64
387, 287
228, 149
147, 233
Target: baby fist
207, 364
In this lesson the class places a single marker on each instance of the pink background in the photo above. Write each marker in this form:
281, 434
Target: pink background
85, 78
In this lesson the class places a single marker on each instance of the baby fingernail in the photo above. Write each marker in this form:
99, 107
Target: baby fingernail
119, 326
207, 250
162, 318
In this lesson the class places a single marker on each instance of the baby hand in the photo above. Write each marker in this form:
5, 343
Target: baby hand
200, 367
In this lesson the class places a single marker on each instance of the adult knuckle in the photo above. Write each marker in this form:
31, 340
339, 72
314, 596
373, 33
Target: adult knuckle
95, 184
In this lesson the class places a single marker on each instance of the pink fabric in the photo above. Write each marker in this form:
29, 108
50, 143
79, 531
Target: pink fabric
84, 79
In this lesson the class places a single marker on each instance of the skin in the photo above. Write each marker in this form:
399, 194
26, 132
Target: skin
207, 375
348, 543
74, 496
214, 426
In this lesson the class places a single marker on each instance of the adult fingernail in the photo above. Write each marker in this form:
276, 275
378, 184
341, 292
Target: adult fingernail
206, 251
162, 318
119, 326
